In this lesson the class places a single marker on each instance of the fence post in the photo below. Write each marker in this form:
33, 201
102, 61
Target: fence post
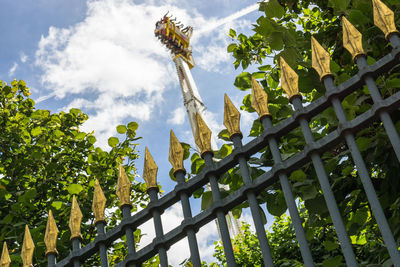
176, 154
124, 195
98, 206
232, 123
259, 102
289, 81
203, 141
75, 221
150, 175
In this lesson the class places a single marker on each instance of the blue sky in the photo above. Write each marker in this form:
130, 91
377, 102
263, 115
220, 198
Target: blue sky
102, 57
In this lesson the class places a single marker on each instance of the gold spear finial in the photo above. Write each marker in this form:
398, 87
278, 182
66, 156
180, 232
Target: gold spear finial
203, 135
27, 249
259, 99
176, 153
352, 39
99, 203
75, 220
5, 257
231, 117
123, 188
320, 59
289, 80
50, 237
384, 18
150, 170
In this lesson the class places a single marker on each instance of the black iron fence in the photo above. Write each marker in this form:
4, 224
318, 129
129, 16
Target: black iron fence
380, 111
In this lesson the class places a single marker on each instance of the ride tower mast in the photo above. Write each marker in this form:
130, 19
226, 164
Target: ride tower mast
176, 38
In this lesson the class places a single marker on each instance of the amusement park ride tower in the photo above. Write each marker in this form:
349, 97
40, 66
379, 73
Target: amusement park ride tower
177, 39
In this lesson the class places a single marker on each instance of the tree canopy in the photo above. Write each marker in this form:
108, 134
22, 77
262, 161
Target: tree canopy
45, 159
284, 29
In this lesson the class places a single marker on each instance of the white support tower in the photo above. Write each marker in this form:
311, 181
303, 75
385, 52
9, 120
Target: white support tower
177, 40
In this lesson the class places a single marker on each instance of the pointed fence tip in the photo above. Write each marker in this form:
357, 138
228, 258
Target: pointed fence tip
123, 189
289, 80
203, 135
384, 18
27, 248
231, 117
352, 39
75, 220
176, 153
259, 99
320, 59
150, 170
5, 260
50, 236
99, 203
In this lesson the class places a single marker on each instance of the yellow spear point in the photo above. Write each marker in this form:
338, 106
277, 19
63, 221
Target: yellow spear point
50, 237
150, 170
176, 152
231, 117
99, 203
27, 248
384, 18
352, 39
5, 260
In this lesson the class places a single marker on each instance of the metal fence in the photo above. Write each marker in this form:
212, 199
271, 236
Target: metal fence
312, 152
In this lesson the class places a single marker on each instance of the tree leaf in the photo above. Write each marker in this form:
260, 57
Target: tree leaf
36, 131
74, 189
133, 126
206, 200
273, 9
56, 204
276, 204
121, 129
113, 141
298, 176
243, 81
231, 48
330, 245
332, 262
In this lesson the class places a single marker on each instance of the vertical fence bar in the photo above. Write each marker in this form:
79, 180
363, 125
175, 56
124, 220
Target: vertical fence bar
162, 252
76, 246
365, 179
130, 239
290, 201
394, 40
51, 259
255, 212
326, 189
123, 192
384, 115
226, 240
75, 221
100, 226
187, 214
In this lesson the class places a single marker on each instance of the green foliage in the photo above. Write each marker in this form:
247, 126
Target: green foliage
284, 29
45, 159
322, 241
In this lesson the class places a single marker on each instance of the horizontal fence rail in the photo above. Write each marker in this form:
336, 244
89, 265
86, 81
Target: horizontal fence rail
344, 133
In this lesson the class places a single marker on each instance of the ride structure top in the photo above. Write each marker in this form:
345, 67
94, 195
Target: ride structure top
176, 38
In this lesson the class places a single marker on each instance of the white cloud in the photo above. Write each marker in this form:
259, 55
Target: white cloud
115, 67
111, 61
23, 57
177, 116
12, 70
